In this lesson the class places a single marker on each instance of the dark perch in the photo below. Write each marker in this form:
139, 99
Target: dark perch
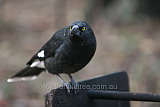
115, 94
113, 82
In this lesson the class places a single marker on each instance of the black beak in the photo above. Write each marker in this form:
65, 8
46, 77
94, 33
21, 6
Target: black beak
75, 31
75, 34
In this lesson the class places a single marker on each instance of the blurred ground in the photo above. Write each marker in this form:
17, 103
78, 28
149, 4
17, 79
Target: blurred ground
127, 36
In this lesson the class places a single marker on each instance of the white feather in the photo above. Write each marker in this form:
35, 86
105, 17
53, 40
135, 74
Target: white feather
41, 54
34, 64
21, 79
39, 64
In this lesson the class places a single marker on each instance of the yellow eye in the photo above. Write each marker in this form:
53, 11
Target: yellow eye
70, 28
83, 28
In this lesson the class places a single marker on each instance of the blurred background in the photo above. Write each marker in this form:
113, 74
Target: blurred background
127, 33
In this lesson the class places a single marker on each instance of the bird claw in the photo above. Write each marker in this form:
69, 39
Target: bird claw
74, 85
67, 87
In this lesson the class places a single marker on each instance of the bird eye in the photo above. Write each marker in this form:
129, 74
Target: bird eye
70, 28
83, 28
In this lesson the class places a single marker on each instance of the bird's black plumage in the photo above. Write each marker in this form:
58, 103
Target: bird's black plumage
68, 51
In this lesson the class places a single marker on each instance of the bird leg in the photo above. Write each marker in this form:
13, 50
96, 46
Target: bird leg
64, 83
73, 83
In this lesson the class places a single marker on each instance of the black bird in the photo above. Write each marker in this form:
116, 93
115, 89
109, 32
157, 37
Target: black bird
68, 51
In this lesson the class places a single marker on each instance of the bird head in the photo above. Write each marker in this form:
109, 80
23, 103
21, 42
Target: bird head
80, 32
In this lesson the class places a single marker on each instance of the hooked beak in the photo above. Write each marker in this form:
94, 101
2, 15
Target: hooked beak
75, 31
75, 34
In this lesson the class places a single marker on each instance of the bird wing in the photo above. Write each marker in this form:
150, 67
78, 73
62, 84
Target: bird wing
50, 47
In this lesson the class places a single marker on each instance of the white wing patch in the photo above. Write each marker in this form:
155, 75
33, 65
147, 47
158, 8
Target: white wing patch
34, 64
39, 64
21, 79
41, 54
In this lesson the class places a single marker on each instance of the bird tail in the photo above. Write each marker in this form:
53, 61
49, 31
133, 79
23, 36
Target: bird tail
26, 74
